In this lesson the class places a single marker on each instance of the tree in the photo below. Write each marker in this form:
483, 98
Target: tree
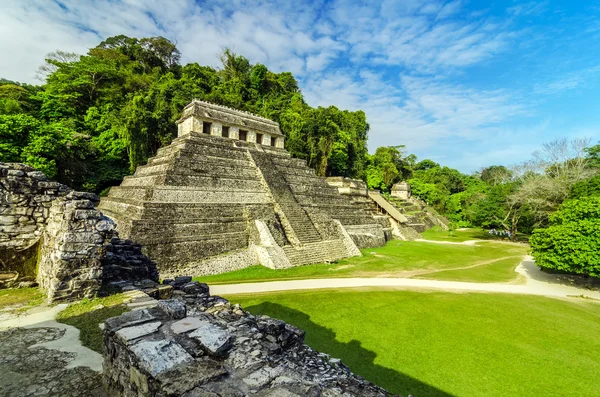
547, 180
571, 241
426, 164
495, 175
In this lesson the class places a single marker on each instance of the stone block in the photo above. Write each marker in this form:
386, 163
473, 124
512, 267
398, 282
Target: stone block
137, 331
213, 338
156, 357
129, 319
173, 308
187, 324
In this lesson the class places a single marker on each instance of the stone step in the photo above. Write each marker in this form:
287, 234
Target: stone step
183, 250
318, 252
189, 227
419, 227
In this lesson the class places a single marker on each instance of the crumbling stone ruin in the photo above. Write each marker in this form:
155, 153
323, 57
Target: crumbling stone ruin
402, 218
226, 195
420, 215
201, 345
54, 235
401, 190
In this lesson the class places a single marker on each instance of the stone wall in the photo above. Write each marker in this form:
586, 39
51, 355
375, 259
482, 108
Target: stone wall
26, 196
54, 235
202, 345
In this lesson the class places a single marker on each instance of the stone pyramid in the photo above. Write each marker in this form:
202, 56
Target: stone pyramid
226, 195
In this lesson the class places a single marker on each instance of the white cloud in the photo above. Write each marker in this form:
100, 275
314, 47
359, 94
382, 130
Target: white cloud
568, 81
394, 59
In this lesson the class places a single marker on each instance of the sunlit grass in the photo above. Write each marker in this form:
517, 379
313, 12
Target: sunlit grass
450, 344
87, 314
396, 259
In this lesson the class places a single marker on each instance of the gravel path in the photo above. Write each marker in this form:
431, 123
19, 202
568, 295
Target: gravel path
537, 283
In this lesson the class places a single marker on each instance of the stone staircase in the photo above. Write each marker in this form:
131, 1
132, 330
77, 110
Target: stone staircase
318, 199
193, 206
420, 217
301, 225
315, 252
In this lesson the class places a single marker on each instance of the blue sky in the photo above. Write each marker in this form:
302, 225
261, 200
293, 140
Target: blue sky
465, 83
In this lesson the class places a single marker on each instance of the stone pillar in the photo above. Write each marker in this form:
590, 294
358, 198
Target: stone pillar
279, 142
191, 124
234, 132
251, 136
70, 266
266, 140
216, 129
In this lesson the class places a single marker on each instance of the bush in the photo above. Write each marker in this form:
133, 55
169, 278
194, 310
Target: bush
572, 241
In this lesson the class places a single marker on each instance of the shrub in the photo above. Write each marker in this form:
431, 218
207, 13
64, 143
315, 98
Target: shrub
571, 242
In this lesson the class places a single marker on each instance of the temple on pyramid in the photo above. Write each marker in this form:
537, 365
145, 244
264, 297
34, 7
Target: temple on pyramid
225, 195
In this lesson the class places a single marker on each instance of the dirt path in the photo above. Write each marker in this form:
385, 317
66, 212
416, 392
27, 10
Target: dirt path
537, 283
423, 272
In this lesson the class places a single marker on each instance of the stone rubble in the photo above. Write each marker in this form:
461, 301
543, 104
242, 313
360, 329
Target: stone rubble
214, 348
54, 235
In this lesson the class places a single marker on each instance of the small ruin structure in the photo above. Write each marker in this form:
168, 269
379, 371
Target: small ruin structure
53, 236
401, 190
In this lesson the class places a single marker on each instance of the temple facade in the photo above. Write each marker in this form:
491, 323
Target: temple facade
225, 194
216, 120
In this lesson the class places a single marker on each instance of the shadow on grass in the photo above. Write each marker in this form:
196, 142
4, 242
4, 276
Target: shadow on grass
360, 360
91, 335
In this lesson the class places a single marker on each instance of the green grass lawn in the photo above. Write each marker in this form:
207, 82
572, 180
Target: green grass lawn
499, 271
399, 259
87, 314
436, 233
435, 344
20, 299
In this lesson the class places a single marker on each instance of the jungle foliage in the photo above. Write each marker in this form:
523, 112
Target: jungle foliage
100, 115
571, 242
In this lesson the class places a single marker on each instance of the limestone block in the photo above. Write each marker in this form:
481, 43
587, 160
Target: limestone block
160, 356
213, 338
173, 308
137, 331
216, 129
251, 137
234, 132
266, 140
279, 142
186, 325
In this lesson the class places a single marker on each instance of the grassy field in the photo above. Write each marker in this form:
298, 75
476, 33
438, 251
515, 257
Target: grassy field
20, 299
450, 344
493, 261
437, 234
88, 313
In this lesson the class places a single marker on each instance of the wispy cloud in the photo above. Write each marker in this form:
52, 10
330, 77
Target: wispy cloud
568, 81
406, 63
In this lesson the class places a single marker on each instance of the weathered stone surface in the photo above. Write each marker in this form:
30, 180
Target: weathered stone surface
160, 356
186, 325
213, 338
27, 371
173, 308
221, 350
137, 331
208, 203
53, 234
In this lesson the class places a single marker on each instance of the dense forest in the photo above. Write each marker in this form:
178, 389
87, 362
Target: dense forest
100, 115
96, 117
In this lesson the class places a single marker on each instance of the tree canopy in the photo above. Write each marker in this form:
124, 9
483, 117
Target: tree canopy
100, 115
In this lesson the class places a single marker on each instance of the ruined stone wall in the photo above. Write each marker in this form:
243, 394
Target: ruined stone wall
54, 235
26, 196
202, 345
